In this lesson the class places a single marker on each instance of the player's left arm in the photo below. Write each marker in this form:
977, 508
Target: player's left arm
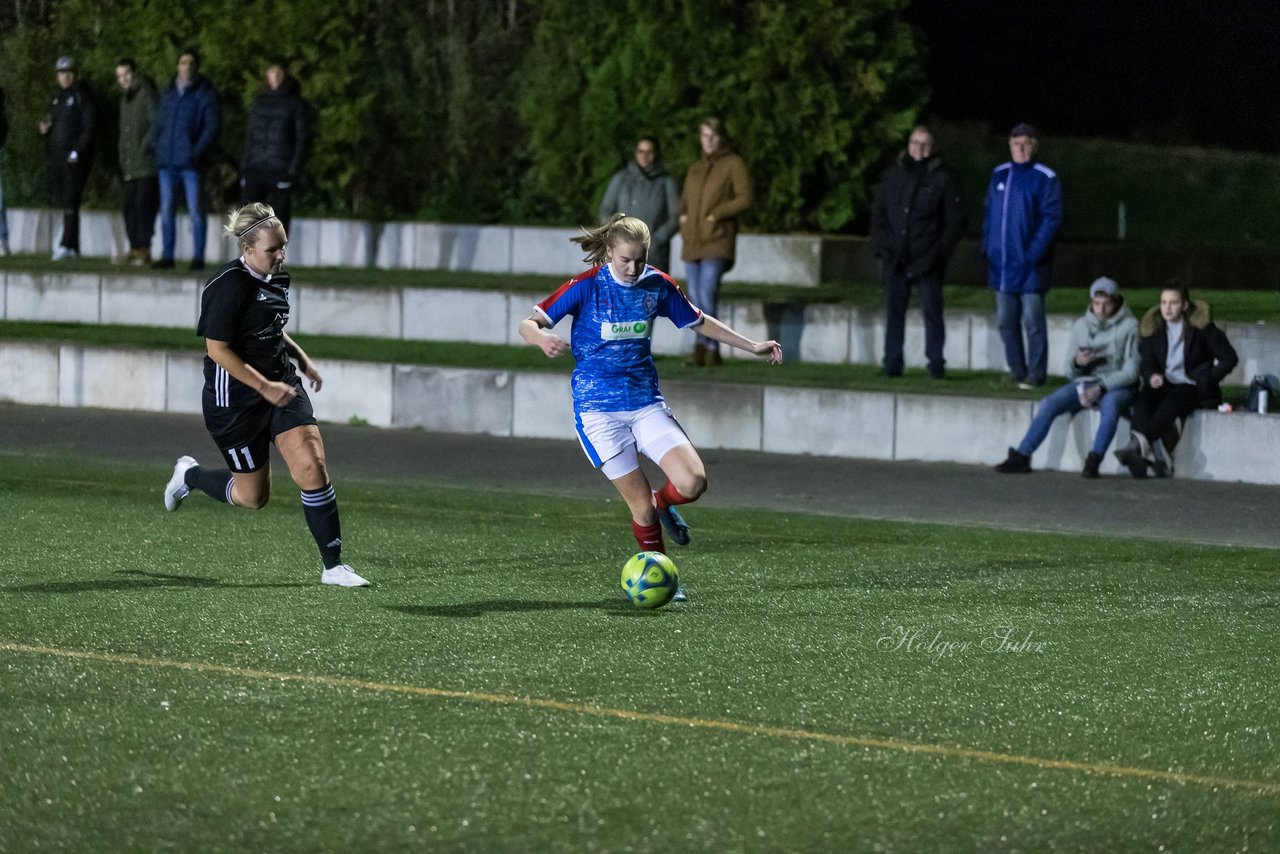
717, 331
305, 364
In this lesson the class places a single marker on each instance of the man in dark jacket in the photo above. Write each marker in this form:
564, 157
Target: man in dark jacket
916, 220
1023, 217
275, 142
137, 162
69, 127
183, 135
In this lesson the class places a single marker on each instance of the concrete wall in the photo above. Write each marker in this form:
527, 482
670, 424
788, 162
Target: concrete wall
833, 334
797, 260
1232, 447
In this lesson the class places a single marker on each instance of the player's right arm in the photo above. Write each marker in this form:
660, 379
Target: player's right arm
537, 331
275, 393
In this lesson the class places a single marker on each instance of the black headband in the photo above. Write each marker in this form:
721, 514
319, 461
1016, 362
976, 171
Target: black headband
256, 224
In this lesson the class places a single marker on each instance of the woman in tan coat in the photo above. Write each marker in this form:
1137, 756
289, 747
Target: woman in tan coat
717, 189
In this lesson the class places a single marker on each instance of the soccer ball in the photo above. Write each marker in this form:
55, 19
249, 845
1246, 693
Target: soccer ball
650, 579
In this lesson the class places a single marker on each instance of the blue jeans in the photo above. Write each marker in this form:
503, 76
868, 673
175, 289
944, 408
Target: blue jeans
1016, 313
704, 288
190, 179
1066, 400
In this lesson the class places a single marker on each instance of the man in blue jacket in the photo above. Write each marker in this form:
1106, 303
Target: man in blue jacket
1023, 216
183, 135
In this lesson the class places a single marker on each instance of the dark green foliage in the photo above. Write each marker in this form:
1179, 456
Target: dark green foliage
1173, 197
811, 93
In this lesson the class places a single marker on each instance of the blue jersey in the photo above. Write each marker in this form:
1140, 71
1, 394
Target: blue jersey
612, 335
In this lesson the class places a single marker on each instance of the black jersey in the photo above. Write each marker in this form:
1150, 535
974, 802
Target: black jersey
250, 315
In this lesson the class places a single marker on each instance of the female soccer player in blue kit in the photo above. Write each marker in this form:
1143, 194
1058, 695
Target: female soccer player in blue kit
617, 405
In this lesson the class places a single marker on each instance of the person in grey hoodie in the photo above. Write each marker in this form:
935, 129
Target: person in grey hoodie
1102, 364
645, 191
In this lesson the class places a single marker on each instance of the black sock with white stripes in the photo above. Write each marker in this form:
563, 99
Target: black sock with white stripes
215, 483
321, 509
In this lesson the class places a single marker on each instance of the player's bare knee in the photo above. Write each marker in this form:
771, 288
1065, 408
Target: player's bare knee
252, 501
692, 486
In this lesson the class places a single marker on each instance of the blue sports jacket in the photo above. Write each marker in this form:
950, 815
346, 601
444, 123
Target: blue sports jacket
1023, 216
186, 125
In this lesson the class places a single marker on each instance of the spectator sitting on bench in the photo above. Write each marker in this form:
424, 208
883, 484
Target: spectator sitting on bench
1182, 358
1102, 363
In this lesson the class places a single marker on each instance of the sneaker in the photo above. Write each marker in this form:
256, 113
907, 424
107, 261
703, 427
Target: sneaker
1162, 468
675, 525
162, 264
681, 595
65, 253
176, 489
1091, 464
1015, 463
4, 249
1026, 385
197, 264
343, 576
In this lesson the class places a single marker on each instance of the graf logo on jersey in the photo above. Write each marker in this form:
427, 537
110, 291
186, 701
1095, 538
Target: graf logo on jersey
622, 331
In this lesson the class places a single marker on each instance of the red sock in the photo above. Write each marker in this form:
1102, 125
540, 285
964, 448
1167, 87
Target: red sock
649, 537
669, 496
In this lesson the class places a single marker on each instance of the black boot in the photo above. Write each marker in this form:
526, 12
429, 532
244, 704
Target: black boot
1015, 463
1131, 458
1091, 464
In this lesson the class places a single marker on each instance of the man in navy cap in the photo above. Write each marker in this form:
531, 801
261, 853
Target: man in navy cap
1023, 216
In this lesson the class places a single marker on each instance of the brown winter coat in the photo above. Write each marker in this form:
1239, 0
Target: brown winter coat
718, 186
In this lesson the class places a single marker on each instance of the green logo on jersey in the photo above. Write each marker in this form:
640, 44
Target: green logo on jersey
622, 331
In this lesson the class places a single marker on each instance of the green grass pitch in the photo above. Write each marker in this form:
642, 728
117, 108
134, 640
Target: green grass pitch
182, 682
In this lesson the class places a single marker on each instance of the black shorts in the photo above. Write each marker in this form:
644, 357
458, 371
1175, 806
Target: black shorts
242, 433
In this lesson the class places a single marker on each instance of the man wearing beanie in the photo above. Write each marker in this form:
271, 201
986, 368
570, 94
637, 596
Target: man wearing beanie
916, 220
1102, 362
1023, 216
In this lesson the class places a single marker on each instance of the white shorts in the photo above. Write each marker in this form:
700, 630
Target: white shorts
611, 439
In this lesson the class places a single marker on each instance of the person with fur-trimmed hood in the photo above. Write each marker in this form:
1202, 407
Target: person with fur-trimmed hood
1102, 363
1183, 358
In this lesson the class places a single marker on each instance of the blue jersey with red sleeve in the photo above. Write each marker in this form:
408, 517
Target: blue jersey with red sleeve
612, 333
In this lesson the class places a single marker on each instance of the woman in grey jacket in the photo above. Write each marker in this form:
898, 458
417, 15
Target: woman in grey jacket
1102, 362
645, 191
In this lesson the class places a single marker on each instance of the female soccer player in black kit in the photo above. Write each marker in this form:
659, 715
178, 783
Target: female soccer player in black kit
253, 395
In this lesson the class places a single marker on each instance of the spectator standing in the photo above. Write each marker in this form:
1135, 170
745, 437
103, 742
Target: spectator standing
916, 220
69, 128
645, 191
185, 130
717, 189
1102, 363
1182, 359
4, 214
1023, 217
275, 142
137, 162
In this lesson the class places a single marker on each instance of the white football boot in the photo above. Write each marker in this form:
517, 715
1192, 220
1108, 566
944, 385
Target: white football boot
176, 489
343, 576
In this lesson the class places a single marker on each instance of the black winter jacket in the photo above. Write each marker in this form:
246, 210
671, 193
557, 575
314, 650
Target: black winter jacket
276, 134
1206, 353
917, 216
71, 116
